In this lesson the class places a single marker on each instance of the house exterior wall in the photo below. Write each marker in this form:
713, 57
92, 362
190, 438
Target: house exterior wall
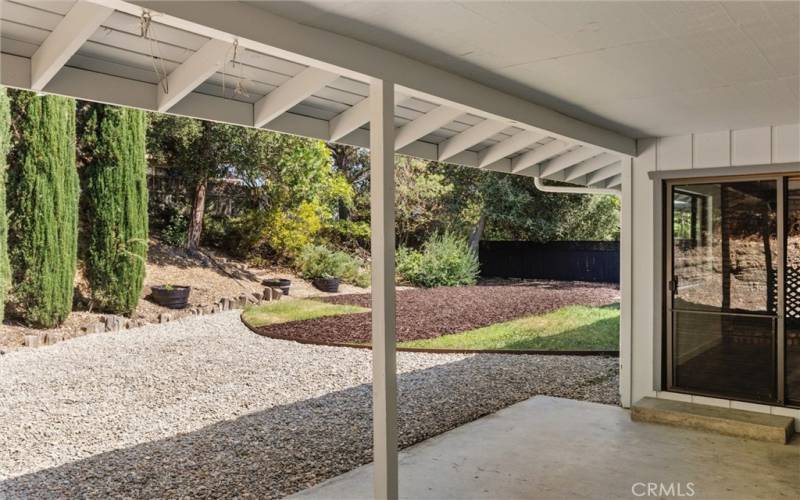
717, 153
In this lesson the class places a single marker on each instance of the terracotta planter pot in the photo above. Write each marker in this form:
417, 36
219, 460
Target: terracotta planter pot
330, 285
174, 297
282, 283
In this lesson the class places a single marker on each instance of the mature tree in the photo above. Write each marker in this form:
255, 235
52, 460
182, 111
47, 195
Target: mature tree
197, 151
115, 202
284, 173
419, 200
43, 200
516, 210
353, 164
5, 145
502, 206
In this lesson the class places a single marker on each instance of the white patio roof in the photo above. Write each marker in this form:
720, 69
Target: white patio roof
290, 78
641, 68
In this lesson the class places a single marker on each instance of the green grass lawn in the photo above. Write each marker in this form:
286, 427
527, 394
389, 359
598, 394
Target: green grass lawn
573, 328
295, 310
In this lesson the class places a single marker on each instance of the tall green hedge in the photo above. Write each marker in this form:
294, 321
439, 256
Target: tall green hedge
43, 207
5, 145
115, 205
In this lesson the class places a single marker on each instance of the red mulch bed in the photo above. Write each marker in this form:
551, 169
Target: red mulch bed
423, 314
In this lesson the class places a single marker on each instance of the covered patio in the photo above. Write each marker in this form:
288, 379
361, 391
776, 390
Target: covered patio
598, 96
559, 448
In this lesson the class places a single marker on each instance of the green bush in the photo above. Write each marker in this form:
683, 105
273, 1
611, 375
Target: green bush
176, 224
347, 234
5, 145
43, 198
318, 261
115, 201
445, 260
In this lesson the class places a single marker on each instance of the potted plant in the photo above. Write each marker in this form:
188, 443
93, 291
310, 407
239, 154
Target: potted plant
326, 283
171, 296
323, 266
282, 283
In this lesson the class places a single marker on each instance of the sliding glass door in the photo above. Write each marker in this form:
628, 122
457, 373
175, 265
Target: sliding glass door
722, 294
733, 288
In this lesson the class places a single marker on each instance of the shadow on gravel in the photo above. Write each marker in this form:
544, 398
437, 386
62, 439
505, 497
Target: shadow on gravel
284, 449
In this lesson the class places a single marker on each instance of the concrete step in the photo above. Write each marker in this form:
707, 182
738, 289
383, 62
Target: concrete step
737, 423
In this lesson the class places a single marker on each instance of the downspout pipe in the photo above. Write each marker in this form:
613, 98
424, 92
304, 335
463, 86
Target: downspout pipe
573, 190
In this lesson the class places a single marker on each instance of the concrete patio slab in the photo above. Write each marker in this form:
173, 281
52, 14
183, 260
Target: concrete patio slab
556, 448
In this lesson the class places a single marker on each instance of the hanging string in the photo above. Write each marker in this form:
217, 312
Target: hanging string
146, 32
240, 89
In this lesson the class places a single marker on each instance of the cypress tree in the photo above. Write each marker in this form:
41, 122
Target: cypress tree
5, 145
114, 204
43, 207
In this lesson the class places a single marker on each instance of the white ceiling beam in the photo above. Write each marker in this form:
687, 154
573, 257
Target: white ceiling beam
347, 121
470, 137
291, 93
271, 34
604, 173
538, 155
520, 140
198, 68
424, 125
614, 181
65, 40
590, 165
567, 160
109, 89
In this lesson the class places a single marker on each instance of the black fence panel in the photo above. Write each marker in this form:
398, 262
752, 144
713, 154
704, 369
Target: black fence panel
558, 260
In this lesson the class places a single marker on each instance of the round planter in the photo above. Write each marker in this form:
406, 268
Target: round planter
174, 297
330, 285
281, 283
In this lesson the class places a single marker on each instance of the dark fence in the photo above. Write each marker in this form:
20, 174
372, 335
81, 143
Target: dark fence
558, 260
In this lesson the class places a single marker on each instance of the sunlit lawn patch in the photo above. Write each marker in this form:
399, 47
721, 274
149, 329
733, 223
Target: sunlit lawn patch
572, 328
295, 310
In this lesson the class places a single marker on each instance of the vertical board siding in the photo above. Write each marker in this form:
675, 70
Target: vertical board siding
755, 146
786, 143
596, 261
752, 146
712, 150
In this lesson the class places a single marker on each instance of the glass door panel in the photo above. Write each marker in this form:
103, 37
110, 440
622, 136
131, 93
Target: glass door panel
723, 288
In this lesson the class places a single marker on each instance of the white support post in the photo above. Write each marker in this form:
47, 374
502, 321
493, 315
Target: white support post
626, 284
384, 371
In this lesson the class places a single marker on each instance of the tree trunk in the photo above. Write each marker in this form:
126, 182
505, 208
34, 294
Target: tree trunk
196, 218
477, 233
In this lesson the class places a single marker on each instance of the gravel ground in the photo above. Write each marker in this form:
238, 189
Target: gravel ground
428, 313
203, 408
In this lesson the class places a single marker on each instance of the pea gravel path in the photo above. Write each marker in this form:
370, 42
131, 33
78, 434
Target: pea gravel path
204, 408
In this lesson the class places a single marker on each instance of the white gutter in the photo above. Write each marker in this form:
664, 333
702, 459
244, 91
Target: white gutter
573, 190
